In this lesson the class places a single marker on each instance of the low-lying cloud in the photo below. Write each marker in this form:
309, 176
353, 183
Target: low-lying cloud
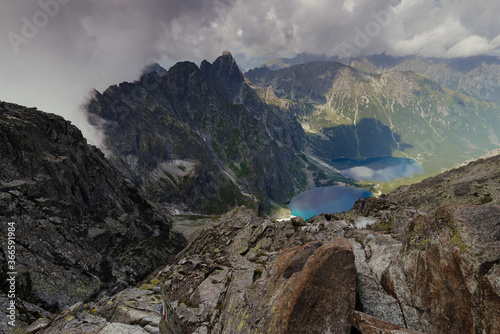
381, 169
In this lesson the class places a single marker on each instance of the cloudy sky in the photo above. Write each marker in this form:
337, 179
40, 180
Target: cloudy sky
54, 52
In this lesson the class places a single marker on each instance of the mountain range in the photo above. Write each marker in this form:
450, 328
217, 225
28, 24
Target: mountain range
194, 137
478, 76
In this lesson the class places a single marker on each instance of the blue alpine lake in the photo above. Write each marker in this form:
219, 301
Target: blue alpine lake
326, 199
378, 169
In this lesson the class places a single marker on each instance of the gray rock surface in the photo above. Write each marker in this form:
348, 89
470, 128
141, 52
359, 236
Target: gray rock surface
444, 279
133, 311
366, 324
81, 229
372, 298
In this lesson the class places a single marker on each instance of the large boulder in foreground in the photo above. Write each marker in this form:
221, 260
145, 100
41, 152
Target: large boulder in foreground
310, 289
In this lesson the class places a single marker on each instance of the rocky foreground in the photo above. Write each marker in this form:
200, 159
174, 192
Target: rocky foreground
380, 268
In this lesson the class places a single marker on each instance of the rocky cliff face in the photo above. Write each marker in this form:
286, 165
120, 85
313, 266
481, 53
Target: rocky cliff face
203, 140
80, 228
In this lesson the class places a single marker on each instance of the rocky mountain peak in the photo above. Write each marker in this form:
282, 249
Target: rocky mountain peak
154, 68
226, 62
182, 69
200, 144
227, 75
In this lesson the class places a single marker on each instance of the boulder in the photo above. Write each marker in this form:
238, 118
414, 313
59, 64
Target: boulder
320, 298
447, 280
371, 296
309, 289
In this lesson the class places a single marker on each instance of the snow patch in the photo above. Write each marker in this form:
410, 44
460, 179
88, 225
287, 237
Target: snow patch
363, 222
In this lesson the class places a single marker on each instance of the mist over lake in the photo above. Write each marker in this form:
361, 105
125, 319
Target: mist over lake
378, 169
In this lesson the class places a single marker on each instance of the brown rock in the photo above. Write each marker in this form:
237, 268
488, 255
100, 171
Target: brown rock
321, 297
367, 324
296, 258
449, 279
308, 289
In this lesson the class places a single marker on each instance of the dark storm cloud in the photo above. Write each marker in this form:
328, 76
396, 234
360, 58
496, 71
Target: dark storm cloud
53, 52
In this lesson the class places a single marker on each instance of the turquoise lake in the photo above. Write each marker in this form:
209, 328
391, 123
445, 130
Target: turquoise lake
326, 199
341, 198
378, 169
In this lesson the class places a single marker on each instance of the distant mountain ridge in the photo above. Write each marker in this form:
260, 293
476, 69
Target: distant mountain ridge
302, 58
478, 76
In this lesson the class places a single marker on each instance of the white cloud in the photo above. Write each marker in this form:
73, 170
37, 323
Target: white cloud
349, 5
